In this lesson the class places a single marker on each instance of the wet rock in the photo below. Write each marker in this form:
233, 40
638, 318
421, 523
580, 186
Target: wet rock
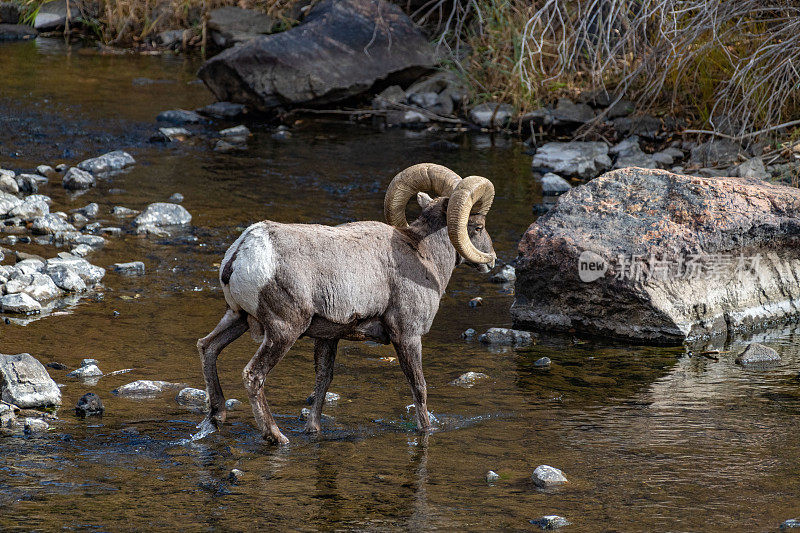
281, 135
752, 168
468, 379
123, 212
42, 288
171, 135
232, 404
35, 425
554, 185
31, 207
90, 404
9, 203
144, 388
542, 362
25, 382
235, 476
305, 412
192, 397
576, 269
231, 25
581, 159
88, 369
76, 179
17, 32
78, 220
61, 167
546, 477
29, 182
491, 114
644, 126
179, 116
330, 397
110, 230
89, 273
19, 303
550, 522
176, 198
758, 354
45, 170
476, 302
89, 210
568, 113
8, 184
469, 334
49, 224
82, 250
161, 214
792, 523
715, 152
226, 147
29, 266
110, 162
55, 365
134, 267
226, 110
93, 241
236, 134
505, 275
492, 476
506, 337
328, 48
8, 414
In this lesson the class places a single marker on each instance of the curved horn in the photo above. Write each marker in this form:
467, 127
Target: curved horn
421, 177
472, 195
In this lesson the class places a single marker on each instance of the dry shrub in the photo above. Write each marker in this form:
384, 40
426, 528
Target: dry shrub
701, 58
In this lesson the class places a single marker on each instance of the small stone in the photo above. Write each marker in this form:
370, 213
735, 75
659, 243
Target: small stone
506, 337
89, 210
235, 476
61, 167
758, 354
492, 476
110, 162
90, 404
192, 397
505, 275
550, 522
82, 250
87, 371
281, 135
134, 267
144, 388
554, 185
176, 198
476, 302
236, 134
330, 397
547, 477
542, 361
35, 425
792, 523
171, 135
491, 114
45, 170
163, 214
468, 379
179, 116
232, 405
77, 179
469, 334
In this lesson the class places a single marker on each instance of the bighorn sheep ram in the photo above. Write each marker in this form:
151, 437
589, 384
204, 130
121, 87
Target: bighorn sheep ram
357, 281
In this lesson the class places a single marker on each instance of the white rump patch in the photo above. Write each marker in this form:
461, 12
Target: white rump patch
253, 268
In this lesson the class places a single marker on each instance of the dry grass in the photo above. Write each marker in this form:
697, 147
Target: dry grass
702, 59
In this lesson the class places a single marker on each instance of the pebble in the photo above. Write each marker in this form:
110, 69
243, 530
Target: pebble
550, 522
176, 198
468, 379
90, 404
476, 302
492, 476
45, 170
469, 334
236, 134
547, 477
543, 361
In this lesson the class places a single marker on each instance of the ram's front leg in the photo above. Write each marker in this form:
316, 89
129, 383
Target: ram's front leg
324, 357
409, 355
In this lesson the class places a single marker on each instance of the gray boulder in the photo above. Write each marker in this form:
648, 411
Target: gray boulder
162, 214
49, 224
227, 110
553, 184
505, 275
68, 280
42, 288
506, 337
192, 397
8, 184
644, 126
568, 113
581, 159
19, 303
30, 208
29, 182
24, 382
491, 114
77, 179
231, 25
547, 477
339, 51
657, 257
753, 168
89, 273
110, 162
179, 116
758, 354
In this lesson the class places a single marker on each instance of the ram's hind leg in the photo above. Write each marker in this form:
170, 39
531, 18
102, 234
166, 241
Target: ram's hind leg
324, 357
229, 329
276, 343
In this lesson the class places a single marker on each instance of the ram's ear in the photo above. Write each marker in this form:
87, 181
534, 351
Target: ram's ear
423, 199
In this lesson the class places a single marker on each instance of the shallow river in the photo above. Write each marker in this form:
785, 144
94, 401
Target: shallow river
651, 439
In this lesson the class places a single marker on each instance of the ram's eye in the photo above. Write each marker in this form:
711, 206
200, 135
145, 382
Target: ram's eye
478, 228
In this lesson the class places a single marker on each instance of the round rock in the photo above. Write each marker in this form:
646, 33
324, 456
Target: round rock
90, 404
548, 477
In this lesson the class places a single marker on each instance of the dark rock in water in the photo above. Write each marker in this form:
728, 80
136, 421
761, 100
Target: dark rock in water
56, 366
506, 337
230, 25
469, 334
550, 522
758, 354
179, 116
341, 49
226, 110
658, 257
17, 32
90, 404
171, 135
9, 13
110, 162
281, 135
25, 382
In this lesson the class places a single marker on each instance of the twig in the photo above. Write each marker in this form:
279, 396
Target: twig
747, 136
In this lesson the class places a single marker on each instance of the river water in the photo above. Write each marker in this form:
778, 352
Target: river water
651, 439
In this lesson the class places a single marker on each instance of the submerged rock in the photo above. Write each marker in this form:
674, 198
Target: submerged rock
35, 425
581, 159
226, 110
90, 404
550, 522
89, 370
492, 476
553, 184
110, 162
469, 334
660, 257
24, 381
468, 379
77, 179
192, 397
339, 51
758, 354
17, 32
546, 477
134, 267
144, 388
162, 214
330, 397
506, 337
179, 116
